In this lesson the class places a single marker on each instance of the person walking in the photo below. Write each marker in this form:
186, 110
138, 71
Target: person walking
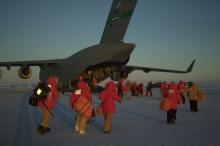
164, 89
120, 89
83, 92
174, 97
48, 104
134, 89
181, 88
192, 94
108, 97
149, 88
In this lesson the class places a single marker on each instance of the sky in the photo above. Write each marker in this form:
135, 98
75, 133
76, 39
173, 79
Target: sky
168, 34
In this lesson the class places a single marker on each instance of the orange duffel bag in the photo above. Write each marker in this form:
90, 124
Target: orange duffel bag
201, 96
87, 111
84, 107
80, 103
165, 104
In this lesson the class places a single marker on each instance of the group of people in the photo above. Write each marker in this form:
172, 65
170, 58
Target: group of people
109, 95
129, 89
107, 98
175, 93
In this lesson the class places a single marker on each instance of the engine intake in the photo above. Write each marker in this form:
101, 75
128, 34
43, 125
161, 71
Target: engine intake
25, 72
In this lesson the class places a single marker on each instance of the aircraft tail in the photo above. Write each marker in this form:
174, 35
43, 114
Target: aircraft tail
118, 20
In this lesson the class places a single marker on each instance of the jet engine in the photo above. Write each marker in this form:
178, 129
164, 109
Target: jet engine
117, 76
25, 72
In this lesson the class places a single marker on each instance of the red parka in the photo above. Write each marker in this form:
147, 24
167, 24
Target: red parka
84, 93
142, 88
127, 86
53, 95
181, 87
108, 97
134, 88
173, 95
164, 89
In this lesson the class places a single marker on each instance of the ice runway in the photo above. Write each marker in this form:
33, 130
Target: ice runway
138, 121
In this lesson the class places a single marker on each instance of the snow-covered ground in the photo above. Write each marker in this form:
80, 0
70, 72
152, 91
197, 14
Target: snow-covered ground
137, 122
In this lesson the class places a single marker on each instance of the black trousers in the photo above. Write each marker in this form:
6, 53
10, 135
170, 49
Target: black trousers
183, 98
120, 93
149, 91
171, 115
193, 105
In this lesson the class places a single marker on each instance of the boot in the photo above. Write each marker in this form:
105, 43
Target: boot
77, 128
41, 130
172, 121
47, 129
107, 132
82, 132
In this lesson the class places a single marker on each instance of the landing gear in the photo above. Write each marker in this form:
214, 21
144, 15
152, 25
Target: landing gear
117, 76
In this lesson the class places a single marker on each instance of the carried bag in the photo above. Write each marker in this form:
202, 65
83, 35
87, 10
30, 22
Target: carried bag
40, 93
80, 103
99, 110
41, 90
84, 107
33, 100
165, 104
201, 96
87, 113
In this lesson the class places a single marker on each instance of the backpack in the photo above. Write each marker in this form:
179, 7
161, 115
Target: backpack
40, 93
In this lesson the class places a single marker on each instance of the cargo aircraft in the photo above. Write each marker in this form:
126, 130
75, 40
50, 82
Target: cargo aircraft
100, 61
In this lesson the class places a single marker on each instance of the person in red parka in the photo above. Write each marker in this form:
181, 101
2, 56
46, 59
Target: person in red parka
84, 92
174, 97
49, 104
182, 88
120, 88
108, 97
134, 89
141, 89
164, 89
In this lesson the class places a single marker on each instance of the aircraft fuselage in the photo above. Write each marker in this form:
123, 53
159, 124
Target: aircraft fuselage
73, 66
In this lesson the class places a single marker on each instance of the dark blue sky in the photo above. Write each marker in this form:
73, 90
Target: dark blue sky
168, 33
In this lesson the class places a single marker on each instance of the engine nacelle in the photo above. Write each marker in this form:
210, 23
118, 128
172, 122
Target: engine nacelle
117, 76
25, 72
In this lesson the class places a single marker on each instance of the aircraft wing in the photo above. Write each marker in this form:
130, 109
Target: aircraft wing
148, 69
30, 63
